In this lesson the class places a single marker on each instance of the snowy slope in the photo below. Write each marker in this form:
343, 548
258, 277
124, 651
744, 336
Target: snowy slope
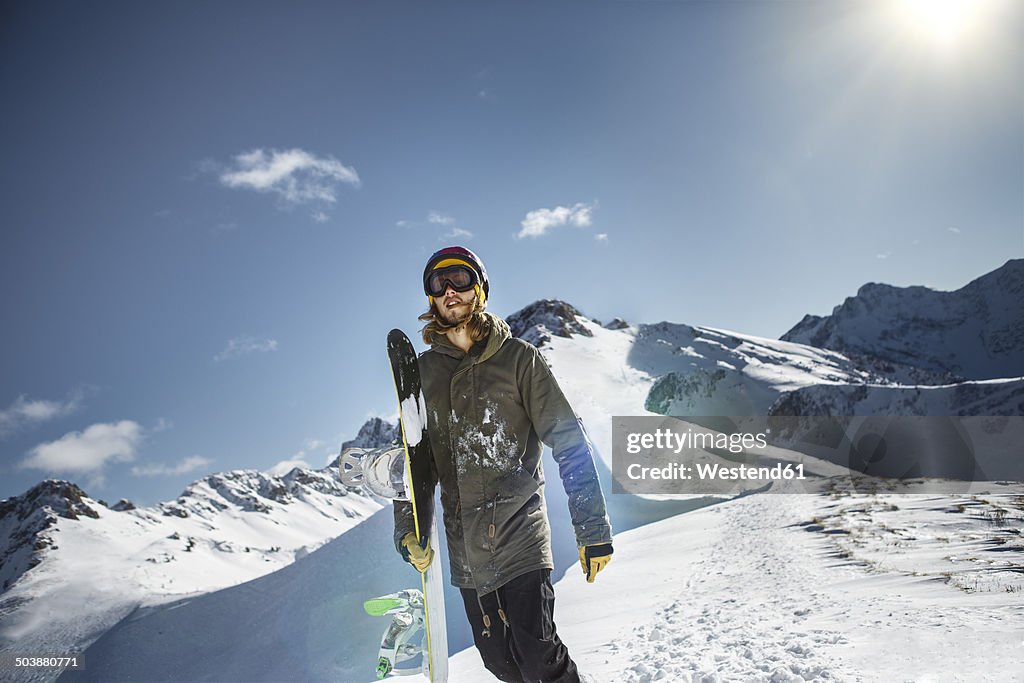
305, 622
799, 587
302, 623
671, 369
705, 371
595, 375
761, 588
75, 567
976, 332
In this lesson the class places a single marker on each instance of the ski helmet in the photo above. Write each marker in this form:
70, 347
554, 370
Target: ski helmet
450, 255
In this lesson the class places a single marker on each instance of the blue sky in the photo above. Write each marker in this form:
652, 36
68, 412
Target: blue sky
213, 212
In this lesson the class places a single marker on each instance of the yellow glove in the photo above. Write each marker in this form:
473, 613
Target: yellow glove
594, 558
415, 554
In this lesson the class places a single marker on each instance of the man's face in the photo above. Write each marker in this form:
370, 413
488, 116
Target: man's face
455, 307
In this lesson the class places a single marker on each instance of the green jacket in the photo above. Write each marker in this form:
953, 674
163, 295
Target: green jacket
489, 413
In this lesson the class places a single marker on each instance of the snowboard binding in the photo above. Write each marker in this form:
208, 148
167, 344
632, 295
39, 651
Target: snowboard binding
407, 620
380, 471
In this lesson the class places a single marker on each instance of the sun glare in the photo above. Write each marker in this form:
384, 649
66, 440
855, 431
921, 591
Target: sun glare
943, 23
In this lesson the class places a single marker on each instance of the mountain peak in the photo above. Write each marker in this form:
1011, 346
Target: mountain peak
975, 332
374, 433
546, 318
27, 523
63, 498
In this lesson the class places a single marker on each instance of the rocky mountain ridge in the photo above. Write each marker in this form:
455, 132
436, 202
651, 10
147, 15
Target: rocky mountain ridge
261, 514
545, 318
894, 340
975, 332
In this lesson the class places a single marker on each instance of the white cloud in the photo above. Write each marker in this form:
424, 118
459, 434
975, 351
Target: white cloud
24, 411
883, 255
244, 345
319, 217
189, 464
955, 231
438, 218
457, 232
601, 237
539, 221
89, 450
297, 176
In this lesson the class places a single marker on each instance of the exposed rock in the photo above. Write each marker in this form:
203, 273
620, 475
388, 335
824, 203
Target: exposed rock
374, 433
28, 522
541, 320
616, 324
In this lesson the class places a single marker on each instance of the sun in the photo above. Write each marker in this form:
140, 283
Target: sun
943, 23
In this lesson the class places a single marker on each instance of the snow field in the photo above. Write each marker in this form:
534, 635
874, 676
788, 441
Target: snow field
598, 381
758, 589
973, 542
736, 608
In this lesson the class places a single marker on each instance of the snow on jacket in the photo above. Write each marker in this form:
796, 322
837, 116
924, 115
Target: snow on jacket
489, 413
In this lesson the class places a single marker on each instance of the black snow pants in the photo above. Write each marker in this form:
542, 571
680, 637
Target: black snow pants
527, 649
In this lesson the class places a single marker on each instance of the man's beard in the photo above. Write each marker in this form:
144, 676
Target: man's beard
451, 317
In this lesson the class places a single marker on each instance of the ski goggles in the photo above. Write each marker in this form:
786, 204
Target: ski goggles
459, 277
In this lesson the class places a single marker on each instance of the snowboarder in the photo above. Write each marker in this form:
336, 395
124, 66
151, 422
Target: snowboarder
492, 403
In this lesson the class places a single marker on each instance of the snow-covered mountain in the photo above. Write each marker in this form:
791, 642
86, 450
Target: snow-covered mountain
546, 318
59, 547
375, 432
691, 370
837, 587
697, 372
157, 573
889, 350
26, 523
701, 371
975, 332
682, 369
706, 371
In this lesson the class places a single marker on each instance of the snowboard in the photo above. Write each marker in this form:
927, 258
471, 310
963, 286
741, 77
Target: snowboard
418, 462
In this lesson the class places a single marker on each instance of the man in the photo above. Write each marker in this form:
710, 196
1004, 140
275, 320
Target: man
492, 403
